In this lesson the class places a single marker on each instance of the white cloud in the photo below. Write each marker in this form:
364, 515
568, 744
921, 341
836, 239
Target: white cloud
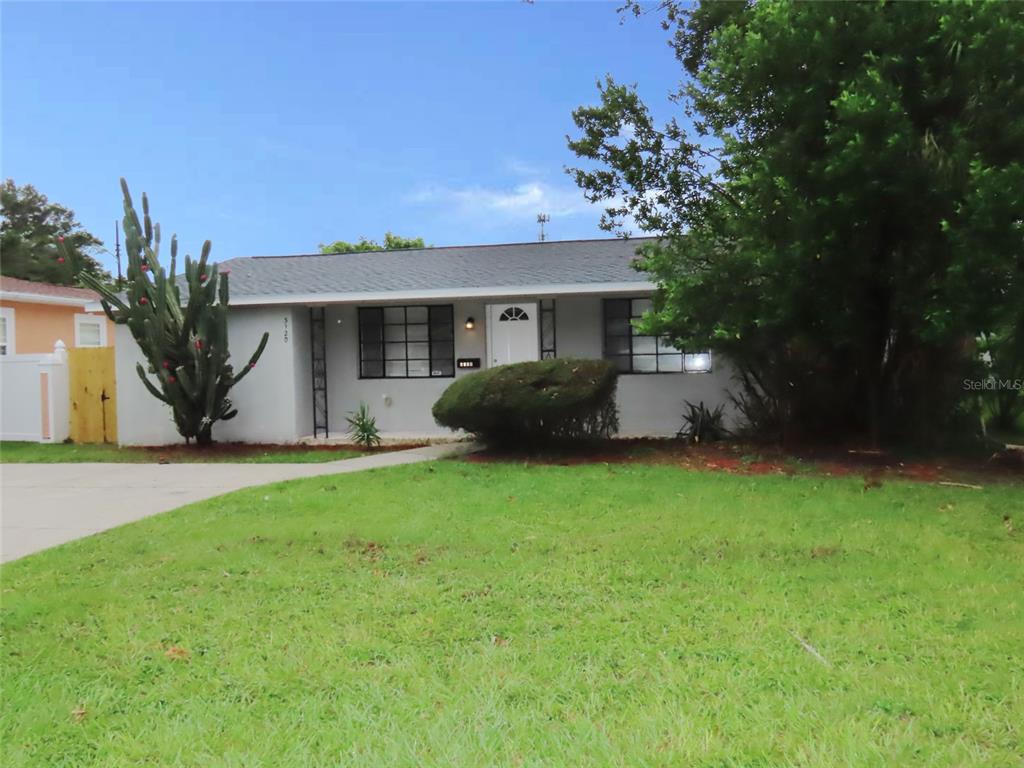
526, 199
522, 168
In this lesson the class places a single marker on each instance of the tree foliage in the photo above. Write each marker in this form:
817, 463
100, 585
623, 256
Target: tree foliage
840, 199
32, 228
1003, 395
185, 346
392, 242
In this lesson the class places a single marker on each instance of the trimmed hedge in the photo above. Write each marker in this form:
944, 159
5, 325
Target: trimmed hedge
536, 402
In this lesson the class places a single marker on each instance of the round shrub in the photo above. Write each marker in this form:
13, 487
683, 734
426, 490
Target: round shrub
537, 402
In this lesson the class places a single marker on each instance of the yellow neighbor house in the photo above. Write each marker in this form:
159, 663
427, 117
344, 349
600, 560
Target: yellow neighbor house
34, 316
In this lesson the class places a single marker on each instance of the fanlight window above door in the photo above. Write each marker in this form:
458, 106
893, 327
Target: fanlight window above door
513, 314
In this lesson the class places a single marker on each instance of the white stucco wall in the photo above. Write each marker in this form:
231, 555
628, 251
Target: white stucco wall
401, 406
267, 399
302, 370
275, 400
650, 404
141, 418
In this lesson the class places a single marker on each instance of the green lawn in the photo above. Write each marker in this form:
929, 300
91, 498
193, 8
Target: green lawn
459, 614
59, 453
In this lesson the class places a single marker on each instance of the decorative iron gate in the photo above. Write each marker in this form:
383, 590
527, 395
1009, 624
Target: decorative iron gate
318, 345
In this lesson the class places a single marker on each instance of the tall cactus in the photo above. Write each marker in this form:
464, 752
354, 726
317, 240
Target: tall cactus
186, 347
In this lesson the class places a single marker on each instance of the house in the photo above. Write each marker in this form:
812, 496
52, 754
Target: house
34, 316
394, 328
39, 322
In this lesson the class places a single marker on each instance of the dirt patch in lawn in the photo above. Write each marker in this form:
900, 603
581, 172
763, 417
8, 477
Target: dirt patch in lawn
750, 459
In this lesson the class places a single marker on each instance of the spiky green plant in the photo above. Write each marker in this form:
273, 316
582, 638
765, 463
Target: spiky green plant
702, 424
186, 346
362, 427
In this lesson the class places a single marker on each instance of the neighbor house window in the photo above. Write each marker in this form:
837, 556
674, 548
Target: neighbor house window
406, 342
90, 331
6, 330
633, 352
547, 329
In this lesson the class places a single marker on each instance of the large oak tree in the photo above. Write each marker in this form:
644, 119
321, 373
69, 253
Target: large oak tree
840, 197
31, 230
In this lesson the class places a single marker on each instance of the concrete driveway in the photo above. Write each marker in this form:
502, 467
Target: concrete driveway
43, 505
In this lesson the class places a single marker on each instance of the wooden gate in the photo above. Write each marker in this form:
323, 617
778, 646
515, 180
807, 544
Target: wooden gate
93, 393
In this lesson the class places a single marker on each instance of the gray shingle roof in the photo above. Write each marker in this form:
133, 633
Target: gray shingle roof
434, 270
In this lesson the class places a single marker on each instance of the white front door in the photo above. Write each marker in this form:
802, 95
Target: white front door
512, 333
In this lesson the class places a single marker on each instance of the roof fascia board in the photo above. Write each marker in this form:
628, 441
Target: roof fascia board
37, 298
434, 294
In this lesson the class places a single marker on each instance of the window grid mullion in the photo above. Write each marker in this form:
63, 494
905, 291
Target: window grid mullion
445, 366
383, 343
632, 333
430, 347
405, 329
549, 313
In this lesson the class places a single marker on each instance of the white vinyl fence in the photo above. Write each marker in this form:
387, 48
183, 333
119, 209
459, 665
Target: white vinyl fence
34, 398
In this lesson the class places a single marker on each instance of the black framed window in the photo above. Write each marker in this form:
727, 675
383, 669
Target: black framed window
633, 352
412, 342
547, 329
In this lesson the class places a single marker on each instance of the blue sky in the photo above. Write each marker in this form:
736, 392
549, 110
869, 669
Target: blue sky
269, 128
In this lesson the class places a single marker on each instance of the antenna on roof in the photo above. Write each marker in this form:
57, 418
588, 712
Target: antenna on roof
542, 219
117, 253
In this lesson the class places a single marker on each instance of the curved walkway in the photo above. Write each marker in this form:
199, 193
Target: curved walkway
44, 505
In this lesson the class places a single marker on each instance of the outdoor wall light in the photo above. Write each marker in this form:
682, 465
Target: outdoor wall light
470, 324
697, 363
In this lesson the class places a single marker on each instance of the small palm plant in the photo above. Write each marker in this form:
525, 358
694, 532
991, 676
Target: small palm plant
362, 427
702, 425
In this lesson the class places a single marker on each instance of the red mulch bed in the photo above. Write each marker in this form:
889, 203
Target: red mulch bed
749, 459
242, 450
